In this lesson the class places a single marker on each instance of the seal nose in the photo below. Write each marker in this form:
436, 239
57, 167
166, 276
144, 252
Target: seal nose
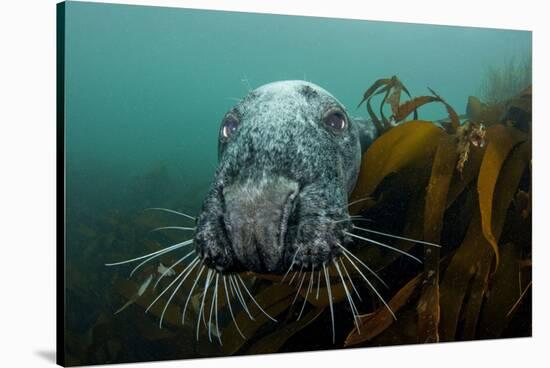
256, 219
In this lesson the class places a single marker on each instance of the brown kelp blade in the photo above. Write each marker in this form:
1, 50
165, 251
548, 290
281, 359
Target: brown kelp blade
462, 269
501, 141
371, 325
443, 168
370, 91
407, 107
453, 116
377, 123
402, 146
469, 204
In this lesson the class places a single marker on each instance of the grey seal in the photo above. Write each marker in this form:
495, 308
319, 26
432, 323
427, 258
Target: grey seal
289, 156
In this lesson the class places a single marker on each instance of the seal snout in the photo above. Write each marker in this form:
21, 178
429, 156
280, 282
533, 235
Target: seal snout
256, 220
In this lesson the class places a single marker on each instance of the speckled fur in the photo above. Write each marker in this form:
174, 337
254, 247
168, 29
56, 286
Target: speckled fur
283, 156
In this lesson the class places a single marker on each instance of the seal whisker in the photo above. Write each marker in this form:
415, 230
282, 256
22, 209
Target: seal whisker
194, 263
291, 264
347, 254
153, 254
191, 293
352, 218
171, 211
172, 267
296, 274
350, 280
254, 300
181, 274
201, 308
205, 291
309, 287
292, 278
299, 288
354, 310
230, 308
371, 286
240, 296
183, 228
359, 200
342, 220
397, 236
329, 295
384, 246
246, 83
233, 99
216, 309
318, 284
232, 288
167, 250
361, 219
212, 310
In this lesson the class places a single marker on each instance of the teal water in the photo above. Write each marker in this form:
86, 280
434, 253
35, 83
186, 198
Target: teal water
147, 85
146, 88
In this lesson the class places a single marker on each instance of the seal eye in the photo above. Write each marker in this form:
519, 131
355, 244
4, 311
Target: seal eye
335, 120
229, 126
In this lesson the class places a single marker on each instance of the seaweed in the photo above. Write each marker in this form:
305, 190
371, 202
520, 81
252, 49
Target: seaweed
505, 81
459, 287
468, 291
463, 182
392, 88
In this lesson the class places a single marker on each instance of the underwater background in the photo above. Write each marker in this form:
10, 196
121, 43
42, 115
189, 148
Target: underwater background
145, 91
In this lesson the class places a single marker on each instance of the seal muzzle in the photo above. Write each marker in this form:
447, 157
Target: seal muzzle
256, 221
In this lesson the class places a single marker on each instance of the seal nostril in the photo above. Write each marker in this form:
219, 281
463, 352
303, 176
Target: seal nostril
256, 220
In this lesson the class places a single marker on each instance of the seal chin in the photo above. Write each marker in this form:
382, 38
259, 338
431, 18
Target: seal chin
256, 221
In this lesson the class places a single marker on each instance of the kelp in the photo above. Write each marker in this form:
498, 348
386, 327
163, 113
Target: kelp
376, 322
442, 171
431, 167
392, 88
487, 158
501, 142
418, 140
463, 182
462, 284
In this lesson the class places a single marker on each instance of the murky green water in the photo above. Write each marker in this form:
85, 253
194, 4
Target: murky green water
146, 88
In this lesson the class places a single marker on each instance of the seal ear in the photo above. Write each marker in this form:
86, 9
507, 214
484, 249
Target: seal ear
367, 132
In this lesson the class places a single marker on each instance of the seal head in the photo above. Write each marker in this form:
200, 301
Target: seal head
289, 156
